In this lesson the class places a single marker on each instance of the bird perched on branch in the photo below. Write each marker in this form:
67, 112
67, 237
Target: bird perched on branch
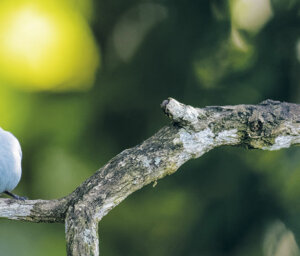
10, 163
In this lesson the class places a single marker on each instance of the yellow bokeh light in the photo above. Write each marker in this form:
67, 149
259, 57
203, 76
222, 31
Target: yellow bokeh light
45, 46
251, 15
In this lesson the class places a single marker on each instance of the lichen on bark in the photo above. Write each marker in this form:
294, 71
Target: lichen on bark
270, 125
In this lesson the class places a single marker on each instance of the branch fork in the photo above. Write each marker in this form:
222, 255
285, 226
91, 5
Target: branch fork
270, 125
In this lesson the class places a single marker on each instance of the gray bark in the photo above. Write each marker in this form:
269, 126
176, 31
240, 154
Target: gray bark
270, 125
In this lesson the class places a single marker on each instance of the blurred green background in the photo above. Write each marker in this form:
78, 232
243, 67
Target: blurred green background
81, 80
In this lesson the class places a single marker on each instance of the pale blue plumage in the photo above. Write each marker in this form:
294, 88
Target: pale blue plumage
10, 161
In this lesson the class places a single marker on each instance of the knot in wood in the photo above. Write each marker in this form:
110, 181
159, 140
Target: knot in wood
256, 126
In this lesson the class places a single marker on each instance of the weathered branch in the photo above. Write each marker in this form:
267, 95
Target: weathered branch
33, 210
271, 125
81, 231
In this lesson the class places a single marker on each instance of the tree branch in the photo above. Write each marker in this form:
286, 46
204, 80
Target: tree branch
81, 231
271, 125
33, 210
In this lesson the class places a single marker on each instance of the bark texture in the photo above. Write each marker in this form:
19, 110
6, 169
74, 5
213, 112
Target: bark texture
270, 125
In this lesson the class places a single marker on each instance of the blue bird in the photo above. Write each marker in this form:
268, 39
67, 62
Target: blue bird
10, 163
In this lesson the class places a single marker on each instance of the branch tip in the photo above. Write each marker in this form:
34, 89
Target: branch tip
164, 104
